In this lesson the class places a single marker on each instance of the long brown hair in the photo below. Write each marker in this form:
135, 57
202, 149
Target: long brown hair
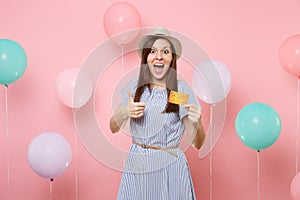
145, 78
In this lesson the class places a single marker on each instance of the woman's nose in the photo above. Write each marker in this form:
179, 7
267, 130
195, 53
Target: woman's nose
158, 55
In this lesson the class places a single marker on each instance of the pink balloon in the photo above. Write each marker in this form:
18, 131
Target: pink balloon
122, 18
295, 187
289, 55
49, 154
73, 87
211, 81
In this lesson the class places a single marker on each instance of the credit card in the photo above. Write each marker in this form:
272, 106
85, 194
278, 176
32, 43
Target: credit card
178, 98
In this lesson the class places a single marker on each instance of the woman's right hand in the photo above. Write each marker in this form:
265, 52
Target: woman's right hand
135, 109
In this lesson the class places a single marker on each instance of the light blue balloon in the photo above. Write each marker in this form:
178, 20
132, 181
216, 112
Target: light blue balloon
258, 125
13, 61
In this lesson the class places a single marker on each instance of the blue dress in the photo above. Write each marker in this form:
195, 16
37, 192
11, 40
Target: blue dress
151, 174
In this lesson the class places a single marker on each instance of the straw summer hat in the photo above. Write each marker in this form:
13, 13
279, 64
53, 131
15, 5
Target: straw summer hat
161, 32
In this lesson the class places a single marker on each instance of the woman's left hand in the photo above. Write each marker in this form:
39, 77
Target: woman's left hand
193, 125
194, 112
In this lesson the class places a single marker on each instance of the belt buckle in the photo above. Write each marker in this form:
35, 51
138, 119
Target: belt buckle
144, 146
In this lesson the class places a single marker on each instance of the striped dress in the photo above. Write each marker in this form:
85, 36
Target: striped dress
151, 174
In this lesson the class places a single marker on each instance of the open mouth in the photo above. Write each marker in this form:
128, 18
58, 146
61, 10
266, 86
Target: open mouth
158, 68
159, 65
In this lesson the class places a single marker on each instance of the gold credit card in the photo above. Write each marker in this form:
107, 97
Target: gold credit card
178, 98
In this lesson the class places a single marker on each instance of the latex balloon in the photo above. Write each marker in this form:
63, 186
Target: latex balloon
122, 20
289, 55
49, 154
73, 87
295, 187
211, 81
13, 61
258, 125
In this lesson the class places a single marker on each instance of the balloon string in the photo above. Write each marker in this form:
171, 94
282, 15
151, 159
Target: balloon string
76, 169
297, 132
258, 176
76, 153
210, 157
6, 133
51, 181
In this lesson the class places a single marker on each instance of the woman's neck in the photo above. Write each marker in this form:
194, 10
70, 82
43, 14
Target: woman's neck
159, 86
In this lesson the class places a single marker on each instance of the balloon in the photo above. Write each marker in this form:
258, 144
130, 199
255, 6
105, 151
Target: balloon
122, 18
211, 81
49, 154
13, 61
258, 125
295, 187
73, 87
289, 55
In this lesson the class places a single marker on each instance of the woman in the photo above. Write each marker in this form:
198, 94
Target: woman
156, 168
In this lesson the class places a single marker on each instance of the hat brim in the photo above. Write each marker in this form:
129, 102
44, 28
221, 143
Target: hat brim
175, 42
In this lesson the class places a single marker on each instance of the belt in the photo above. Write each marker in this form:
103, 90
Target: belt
166, 149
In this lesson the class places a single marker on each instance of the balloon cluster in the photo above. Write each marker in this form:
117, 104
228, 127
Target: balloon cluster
295, 187
258, 125
211, 81
13, 61
122, 22
289, 57
49, 154
73, 87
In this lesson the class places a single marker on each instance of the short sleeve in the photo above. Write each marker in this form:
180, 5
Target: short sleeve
183, 87
131, 85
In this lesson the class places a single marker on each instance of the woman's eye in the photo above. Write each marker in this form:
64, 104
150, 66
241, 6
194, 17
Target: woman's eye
166, 51
152, 51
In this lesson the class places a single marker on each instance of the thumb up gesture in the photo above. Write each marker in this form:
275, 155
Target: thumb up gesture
135, 109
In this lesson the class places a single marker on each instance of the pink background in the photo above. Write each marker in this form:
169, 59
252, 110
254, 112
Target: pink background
245, 35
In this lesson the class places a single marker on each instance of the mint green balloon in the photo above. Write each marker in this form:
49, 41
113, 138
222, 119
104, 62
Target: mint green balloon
13, 61
258, 125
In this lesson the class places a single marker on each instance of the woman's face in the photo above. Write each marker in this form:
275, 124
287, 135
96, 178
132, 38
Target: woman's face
159, 60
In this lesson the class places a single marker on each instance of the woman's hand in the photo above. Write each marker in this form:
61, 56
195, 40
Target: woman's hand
135, 109
193, 125
132, 109
194, 112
